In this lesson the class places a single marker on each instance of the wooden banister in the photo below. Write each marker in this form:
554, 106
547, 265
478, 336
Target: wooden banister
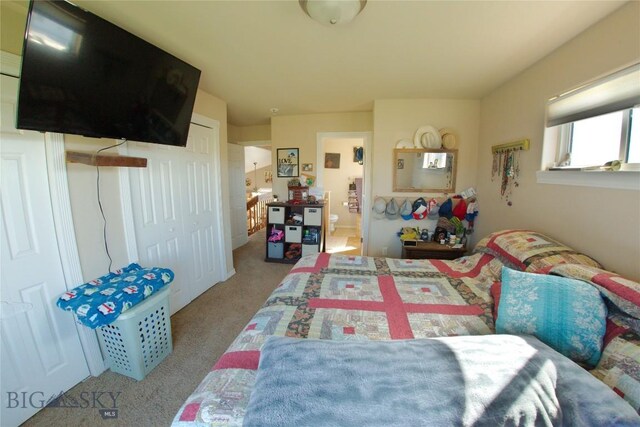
256, 214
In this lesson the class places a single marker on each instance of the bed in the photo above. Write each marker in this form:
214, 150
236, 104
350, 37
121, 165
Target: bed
369, 306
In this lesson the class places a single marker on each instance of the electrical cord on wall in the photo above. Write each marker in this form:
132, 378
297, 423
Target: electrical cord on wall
104, 218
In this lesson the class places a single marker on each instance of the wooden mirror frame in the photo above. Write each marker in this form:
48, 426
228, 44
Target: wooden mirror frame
397, 152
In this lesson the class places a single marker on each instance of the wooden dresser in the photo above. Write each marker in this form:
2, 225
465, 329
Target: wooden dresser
418, 249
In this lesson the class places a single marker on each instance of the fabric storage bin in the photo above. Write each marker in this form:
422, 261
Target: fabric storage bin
293, 234
275, 250
140, 338
313, 216
276, 215
310, 249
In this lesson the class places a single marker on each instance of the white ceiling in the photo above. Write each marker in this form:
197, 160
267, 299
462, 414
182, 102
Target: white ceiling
256, 55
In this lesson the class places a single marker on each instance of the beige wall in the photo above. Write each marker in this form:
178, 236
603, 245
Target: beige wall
301, 132
398, 119
337, 180
13, 19
250, 135
603, 223
233, 133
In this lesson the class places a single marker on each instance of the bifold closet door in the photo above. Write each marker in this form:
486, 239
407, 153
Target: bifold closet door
174, 212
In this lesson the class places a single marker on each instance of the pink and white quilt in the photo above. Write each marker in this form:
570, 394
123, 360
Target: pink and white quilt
339, 297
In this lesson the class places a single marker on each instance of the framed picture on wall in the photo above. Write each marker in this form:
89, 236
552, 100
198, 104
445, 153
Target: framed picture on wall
332, 160
288, 162
307, 167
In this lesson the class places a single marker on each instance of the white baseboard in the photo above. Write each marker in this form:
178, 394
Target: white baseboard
230, 274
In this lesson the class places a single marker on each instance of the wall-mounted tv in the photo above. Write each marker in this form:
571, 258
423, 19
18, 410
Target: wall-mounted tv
83, 75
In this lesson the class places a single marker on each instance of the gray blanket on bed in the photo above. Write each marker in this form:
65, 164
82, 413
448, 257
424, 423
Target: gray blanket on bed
491, 380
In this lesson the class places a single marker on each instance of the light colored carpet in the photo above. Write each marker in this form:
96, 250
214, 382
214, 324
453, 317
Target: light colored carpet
201, 333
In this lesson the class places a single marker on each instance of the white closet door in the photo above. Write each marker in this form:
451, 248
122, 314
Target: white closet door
175, 212
157, 214
200, 212
40, 351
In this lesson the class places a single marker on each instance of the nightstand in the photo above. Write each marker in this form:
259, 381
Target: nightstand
418, 249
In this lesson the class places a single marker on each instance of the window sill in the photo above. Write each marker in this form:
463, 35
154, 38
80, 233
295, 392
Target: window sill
622, 180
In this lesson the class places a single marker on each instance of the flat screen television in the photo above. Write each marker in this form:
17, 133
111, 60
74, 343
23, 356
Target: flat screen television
84, 75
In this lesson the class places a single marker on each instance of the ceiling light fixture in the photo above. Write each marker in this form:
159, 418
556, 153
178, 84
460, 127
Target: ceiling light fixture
332, 12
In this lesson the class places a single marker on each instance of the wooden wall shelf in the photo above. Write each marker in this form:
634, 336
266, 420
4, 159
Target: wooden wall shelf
94, 159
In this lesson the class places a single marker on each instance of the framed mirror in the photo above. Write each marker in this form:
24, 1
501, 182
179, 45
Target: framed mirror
424, 170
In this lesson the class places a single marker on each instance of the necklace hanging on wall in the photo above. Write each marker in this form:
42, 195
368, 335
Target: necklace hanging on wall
495, 168
506, 165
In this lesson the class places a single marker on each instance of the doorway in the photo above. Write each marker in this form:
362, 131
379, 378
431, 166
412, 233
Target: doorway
342, 174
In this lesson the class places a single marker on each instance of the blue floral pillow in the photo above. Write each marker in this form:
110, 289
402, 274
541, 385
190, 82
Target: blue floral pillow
566, 314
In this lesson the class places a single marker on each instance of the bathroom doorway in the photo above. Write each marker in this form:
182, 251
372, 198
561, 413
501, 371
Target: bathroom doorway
342, 172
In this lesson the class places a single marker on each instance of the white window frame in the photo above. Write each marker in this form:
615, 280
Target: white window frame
566, 138
557, 141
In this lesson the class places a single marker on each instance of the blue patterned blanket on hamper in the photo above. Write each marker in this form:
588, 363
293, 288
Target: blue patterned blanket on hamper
100, 301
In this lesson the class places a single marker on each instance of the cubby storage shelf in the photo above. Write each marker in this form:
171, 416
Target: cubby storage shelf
302, 236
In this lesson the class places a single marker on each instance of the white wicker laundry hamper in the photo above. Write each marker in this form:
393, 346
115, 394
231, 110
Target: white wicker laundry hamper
140, 338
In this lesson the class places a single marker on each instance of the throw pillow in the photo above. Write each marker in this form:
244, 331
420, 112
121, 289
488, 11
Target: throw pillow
528, 250
566, 314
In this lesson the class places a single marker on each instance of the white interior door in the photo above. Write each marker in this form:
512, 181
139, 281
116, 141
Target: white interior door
237, 195
176, 214
200, 213
41, 354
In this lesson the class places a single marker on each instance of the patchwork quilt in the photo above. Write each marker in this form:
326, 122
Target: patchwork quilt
355, 298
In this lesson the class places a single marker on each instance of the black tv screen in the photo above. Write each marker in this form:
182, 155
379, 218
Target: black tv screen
83, 75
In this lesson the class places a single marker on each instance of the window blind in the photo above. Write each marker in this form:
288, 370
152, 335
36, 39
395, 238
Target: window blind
615, 92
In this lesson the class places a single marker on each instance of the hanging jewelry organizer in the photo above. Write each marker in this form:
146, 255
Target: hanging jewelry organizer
506, 166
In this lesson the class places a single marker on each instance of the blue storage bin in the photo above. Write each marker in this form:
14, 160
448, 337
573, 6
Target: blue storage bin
275, 250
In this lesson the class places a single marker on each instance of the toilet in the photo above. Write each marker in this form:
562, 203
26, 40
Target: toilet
333, 218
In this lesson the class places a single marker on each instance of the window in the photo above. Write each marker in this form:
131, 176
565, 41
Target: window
590, 125
597, 140
596, 120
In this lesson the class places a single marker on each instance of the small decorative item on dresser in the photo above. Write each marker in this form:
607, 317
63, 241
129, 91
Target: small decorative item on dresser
298, 193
